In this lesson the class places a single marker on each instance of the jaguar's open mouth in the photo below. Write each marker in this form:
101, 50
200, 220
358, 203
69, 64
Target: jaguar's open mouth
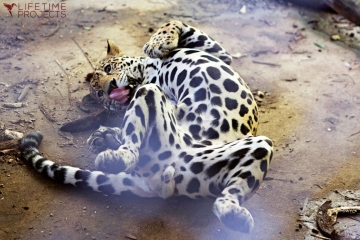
120, 95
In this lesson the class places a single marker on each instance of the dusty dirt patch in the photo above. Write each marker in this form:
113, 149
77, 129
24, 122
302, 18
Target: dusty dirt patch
310, 111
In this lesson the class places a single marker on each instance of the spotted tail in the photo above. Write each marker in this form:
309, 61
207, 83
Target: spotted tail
95, 180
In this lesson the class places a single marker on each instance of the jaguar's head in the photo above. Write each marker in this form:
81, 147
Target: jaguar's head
115, 79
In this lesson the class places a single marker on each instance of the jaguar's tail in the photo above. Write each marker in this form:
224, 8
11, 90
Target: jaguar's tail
95, 180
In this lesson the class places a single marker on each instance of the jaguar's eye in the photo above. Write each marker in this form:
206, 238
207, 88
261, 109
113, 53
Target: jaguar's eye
100, 93
107, 68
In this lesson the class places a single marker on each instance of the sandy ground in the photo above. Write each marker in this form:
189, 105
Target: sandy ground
311, 112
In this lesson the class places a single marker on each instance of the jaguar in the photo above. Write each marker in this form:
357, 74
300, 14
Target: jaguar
189, 127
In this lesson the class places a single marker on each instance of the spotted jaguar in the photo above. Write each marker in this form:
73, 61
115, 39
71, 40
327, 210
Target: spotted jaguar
189, 127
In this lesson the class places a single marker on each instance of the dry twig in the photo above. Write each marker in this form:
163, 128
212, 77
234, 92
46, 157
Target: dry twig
269, 64
15, 105
48, 117
318, 236
84, 54
68, 79
354, 134
56, 29
9, 145
23, 94
23, 81
346, 197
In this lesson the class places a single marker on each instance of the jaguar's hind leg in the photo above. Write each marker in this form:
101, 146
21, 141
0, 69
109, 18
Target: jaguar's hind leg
241, 183
176, 34
149, 118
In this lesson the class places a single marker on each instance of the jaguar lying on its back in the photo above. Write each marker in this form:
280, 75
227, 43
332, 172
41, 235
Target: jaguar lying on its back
189, 127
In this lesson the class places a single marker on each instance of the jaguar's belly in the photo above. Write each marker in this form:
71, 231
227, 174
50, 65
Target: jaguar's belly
212, 101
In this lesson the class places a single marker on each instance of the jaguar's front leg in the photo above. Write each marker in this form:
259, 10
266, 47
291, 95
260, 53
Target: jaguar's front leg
176, 34
104, 138
143, 126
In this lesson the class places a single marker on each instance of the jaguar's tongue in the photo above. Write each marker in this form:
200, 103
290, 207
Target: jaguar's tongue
121, 95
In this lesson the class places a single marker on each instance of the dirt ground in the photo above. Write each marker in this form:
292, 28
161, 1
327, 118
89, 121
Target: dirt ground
311, 112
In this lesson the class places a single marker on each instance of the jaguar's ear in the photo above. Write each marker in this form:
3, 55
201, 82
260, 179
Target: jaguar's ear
113, 50
89, 77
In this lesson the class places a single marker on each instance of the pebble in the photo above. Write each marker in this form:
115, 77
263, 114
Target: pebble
243, 10
238, 55
20, 38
